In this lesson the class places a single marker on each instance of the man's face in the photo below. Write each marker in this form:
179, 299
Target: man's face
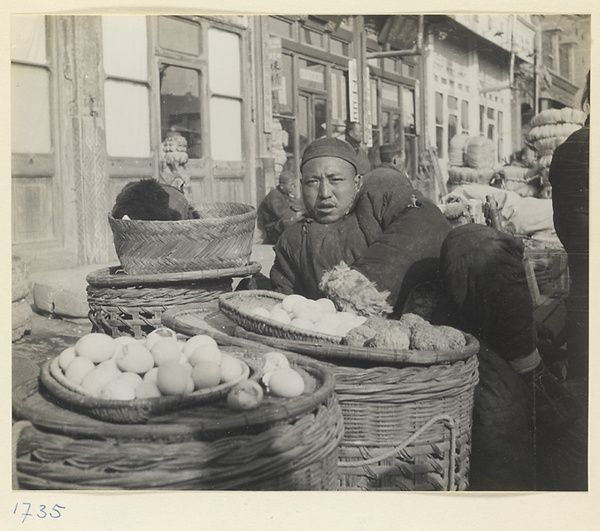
356, 133
329, 185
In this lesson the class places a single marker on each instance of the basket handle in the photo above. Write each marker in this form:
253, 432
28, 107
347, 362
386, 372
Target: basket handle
445, 419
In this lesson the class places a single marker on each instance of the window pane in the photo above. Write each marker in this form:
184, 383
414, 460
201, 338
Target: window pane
439, 141
179, 35
30, 106
33, 216
490, 131
452, 103
28, 38
303, 135
563, 60
311, 37
180, 106
385, 127
408, 111
224, 62
481, 119
339, 47
125, 46
439, 108
390, 94
320, 115
287, 126
464, 115
452, 127
374, 106
490, 113
283, 102
127, 119
280, 27
396, 124
226, 129
312, 75
339, 93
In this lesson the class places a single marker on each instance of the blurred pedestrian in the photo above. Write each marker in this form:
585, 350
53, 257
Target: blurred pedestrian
354, 138
393, 159
280, 208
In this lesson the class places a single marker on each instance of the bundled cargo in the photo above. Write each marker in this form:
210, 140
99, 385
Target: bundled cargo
472, 160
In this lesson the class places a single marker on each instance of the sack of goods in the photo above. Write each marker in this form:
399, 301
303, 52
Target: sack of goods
472, 160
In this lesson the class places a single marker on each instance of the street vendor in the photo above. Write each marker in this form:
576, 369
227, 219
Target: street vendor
367, 244
280, 208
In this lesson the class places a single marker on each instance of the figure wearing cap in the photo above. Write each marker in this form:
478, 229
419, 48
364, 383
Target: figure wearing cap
353, 135
280, 208
367, 243
393, 159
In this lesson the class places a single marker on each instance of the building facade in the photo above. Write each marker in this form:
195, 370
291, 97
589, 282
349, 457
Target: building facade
93, 97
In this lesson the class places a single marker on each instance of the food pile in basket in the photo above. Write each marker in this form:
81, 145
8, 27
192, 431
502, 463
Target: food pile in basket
163, 365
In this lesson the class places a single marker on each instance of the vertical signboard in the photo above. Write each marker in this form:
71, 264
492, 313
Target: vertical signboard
368, 126
353, 90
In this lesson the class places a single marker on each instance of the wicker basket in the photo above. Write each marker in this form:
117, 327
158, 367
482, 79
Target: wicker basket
126, 411
222, 237
132, 305
238, 307
407, 414
286, 444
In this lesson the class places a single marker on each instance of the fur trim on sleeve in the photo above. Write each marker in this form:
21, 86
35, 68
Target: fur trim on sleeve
351, 291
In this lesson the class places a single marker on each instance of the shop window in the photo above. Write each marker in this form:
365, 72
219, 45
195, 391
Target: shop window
490, 131
339, 47
226, 129
390, 94
439, 123
374, 103
408, 111
125, 47
289, 143
311, 37
303, 133
30, 109
280, 27
481, 119
396, 128
339, 95
283, 103
564, 60
490, 113
126, 102
127, 119
180, 106
452, 127
320, 117
452, 103
224, 75
28, 39
385, 127
464, 116
500, 134
408, 70
180, 36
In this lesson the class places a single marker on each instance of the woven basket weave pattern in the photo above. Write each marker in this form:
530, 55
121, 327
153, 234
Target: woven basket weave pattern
299, 455
221, 238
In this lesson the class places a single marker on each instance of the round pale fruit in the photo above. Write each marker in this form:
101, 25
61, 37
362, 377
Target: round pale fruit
206, 353
160, 333
133, 378
96, 347
206, 374
303, 309
134, 357
95, 380
172, 379
332, 320
303, 324
231, 368
275, 360
196, 341
345, 316
147, 389
187, 366
190, 385
66, 357
289, 302
261, 312
324, 328
118, 389
246, 395
286, 383
109, 366
151, 375
280, 315
123, 340
77, 369
326, 306
165, 351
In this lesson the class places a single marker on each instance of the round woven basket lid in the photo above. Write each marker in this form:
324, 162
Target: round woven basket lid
115, 276
31, 401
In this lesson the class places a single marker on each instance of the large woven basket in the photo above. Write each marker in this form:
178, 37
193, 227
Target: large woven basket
407, 414
222, 237
122, 304
286, 444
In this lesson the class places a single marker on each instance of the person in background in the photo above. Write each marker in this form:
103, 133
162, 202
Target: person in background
367, 243
570, 179
354, 137
280, 208
393, 159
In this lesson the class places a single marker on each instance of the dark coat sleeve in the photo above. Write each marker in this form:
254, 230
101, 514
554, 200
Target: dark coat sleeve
405, 232
275, 214
284, 277
569, 176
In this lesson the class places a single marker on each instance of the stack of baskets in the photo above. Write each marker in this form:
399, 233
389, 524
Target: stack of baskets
407, 414
286, 444
472, 159
166, 264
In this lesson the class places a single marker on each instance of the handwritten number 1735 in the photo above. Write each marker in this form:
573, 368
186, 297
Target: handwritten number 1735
42, 511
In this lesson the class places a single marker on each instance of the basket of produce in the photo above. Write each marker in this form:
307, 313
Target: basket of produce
284, 436
354, 338
407, 412
122, 304
221, 237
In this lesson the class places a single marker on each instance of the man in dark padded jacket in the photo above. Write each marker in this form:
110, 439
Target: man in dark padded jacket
367, 245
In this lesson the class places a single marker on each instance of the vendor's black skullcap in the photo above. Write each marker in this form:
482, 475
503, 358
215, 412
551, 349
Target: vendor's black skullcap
330, 147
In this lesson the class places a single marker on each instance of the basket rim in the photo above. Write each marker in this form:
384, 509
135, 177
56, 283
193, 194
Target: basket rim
225, 302
163, 426
109, 277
